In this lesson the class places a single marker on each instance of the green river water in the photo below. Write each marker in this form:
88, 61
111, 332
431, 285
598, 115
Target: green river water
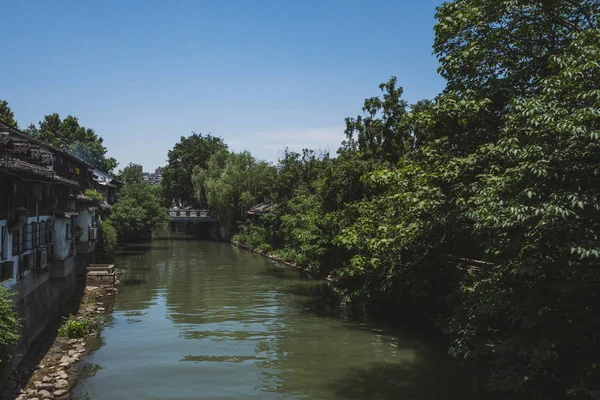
204, 320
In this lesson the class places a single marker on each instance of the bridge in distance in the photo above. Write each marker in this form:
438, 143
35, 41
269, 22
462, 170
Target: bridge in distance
177, 215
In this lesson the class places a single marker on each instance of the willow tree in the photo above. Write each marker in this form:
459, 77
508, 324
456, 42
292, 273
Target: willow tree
190, 152
231, 183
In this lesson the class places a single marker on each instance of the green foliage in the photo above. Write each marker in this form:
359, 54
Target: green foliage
107, 243
232, 183
253, 236
93, 195
132, 173
10, 324
381, 133
137, 211
76, 328
291, 255
301, 229
6, 114
193, 151
396, 238
79, 140
536, 210
264, 248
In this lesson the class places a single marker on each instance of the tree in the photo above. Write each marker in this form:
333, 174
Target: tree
534, 315
190, 152
296, 170
381, 132
6, 114
515, 115
137, 212
10, 324
107, 242
70, 135
232, 183
131, 174
493, 51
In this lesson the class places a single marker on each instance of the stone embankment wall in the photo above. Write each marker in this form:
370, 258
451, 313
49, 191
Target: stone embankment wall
37, 298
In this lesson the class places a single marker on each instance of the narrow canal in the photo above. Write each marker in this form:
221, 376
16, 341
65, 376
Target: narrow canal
205, 320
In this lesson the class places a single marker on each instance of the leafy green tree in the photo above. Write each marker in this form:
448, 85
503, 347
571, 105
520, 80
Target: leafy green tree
296, 170
6, 114
132, 173
190, 152
70, 135
493, 51
107, 243
10, 324
232, 183
302, 231
93, 195
534, 315
137, 212
381, 133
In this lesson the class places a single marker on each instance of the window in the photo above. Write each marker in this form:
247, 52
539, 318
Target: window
5, 199
29, 236
50, 232
6, 270
3, 240
16, 244
43, 236
31, 200
36, 236
69, 232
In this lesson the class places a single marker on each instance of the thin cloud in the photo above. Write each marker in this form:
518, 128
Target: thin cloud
268, 145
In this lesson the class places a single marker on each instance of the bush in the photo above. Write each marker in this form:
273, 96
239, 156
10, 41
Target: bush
137, 211
253, 236
264, 248
93, 195
293, 256
108, 239
76, 328
10, 324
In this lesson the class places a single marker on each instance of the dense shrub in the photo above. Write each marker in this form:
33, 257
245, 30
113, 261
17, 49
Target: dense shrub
93, 195
76, 328
137, 211
107, 243
254, 236
10, 324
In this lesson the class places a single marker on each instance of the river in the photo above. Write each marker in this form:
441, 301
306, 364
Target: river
204, 320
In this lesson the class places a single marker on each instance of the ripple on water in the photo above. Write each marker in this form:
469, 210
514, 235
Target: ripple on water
202, 320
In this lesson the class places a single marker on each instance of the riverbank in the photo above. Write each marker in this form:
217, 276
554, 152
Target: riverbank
274, 257
420, 318
57, 372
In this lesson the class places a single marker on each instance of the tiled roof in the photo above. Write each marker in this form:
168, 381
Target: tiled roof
32, 170
260, 209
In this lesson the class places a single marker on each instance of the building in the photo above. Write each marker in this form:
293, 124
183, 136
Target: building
255, 212
153, 178
106, 185
44, 221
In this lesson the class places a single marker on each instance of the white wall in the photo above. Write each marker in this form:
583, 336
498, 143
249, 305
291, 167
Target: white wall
82, 222
85, 221
60, 233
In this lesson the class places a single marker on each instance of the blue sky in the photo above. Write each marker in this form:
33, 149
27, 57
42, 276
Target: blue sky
261, 74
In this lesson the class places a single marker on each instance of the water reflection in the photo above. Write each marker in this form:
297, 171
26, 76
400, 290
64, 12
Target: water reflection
202, 320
